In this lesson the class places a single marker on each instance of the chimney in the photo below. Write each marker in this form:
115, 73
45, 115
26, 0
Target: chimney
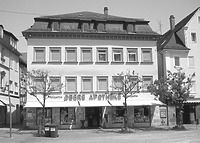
106, 11
1, 31
172, 22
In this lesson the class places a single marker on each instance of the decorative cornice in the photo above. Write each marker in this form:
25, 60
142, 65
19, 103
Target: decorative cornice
92, 36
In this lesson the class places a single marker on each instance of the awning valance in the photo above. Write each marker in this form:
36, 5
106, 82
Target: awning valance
193, 101
95, 103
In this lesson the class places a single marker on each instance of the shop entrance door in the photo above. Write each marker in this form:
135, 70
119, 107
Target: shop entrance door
93, 116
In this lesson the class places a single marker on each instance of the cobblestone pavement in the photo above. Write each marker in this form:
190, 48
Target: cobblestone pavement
139, 135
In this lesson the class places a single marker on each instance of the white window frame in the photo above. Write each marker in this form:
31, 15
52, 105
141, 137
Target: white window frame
35, 54
117, 51
104, 78
82, 56
132, 51
51, 54
56, 77
189, 63
82, 84
75, 84
70, 49
102, 51
150, 52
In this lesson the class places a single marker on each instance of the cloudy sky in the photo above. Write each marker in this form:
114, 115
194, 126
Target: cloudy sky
18, 15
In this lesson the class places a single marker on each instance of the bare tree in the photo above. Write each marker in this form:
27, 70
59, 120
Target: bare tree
126, 85
40, 85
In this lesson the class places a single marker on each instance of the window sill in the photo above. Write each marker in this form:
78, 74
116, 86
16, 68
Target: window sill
102, 92
117, 62
146, 62
75, 92
54, 62
39, 62
86, 62
56, 92
102, 62
132, 63
70, 62
87, 92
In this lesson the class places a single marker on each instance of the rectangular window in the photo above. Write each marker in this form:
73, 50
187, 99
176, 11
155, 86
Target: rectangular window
147, 80
2, 54
199, 19
146, 55
141, 114
2, 78
67, 115
48, 115
11, 86
132, 55
71, 55
86, 54
71, 84
87, 84
16, 87
55, 54
117, 83
118, 114
102, 54
117, 55
56, 84
102, 83
39, 84
177, 61
39, 54
193, 37
191, 61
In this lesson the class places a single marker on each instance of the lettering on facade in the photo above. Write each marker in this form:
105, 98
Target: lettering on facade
79, 97
55, 97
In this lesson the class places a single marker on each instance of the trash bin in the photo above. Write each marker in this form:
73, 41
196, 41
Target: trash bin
47, 130
54, 131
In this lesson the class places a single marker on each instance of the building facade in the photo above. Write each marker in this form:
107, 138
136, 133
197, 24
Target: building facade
9, 77
85, 51
179, 47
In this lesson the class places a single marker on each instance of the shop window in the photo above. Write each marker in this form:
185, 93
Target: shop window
117, 55
87, 84
102, 83
71, 55
147, 80
141, 114
48, 115
146, 55
71, 84
102, 55
39, 54
67, 114
118, 114
55, 54
132, 55
56, 83
86, 55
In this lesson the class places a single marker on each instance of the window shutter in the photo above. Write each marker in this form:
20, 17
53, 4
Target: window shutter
40, 57
86, 55
55, 55
102, 84
146, 56
71, 85
71, 55
87, 85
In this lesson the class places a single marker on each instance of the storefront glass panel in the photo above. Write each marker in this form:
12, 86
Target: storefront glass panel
67, 115
141, 114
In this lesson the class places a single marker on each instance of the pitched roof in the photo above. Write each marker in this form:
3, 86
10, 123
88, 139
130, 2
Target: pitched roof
86, 15
171, 40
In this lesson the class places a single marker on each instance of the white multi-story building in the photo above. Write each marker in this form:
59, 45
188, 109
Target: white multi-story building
9, 77
85, 51
179, 47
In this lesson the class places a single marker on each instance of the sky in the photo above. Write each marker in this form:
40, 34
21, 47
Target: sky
18, 15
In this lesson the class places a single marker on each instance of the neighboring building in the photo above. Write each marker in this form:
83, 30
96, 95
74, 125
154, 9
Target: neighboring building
9, 77
22, 84
179, 47
85, 51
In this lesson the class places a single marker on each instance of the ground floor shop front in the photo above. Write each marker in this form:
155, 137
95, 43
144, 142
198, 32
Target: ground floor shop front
94, 111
